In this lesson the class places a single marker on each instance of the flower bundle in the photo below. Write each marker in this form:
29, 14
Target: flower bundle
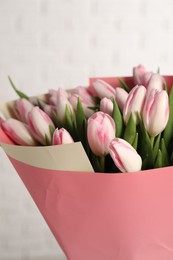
122, 125
122, 130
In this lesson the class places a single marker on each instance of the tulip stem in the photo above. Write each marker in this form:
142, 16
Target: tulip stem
152, 141
102, 163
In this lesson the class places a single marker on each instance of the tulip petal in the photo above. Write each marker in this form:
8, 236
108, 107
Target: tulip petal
125, 156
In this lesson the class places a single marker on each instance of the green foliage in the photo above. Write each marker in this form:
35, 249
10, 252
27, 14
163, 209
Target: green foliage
158, 162
18, 92
165, 156
130, 130
168, 132
145, 147
124, 85
117, 116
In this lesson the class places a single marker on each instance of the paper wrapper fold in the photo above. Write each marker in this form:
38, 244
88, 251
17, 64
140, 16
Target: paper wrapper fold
98, 216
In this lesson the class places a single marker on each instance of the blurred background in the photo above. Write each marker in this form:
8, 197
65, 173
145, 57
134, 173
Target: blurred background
51, 43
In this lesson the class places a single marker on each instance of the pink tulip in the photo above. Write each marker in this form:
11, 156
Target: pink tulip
121, 97
39, 123
141, 76
61, 136
156, 112
22, 107
156, 81
54, 95
83, 92
103, 89
134, 103
125, 156
49, 109
85, 104
146, 78
62, 103
18, 132
100, 132
138, 73
106, 105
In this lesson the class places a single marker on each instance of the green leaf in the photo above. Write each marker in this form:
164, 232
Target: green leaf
168, 132
48, 142
158, 70
156, 147
158, 163
130, 130
40, 103
56, 120
124, 85
68, 120
135, 142
117, 116
81, 127
52, 130
165, 156
80, 116
18, 92
145, 148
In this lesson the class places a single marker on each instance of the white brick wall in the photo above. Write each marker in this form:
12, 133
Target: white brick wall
50, 43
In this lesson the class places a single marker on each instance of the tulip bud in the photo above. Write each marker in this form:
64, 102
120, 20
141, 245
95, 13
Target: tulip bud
141, 76
138, 73
61, 136
49, 109
85, 104
156, 81
156, 112
18, 132
124, 156
100, 132
22, 107
106, 105
40, 123
146, 78
103, 89
83, 92
62, 103
54, 95
121, 97
134, 103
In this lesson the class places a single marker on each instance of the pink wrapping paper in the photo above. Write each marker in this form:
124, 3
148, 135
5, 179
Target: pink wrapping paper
96, 216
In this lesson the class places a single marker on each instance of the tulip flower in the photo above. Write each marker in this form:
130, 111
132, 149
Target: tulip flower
121, 97
61, 136
125, 156
100, 132
63, 103
85, 104
54, 95
49, 109
22, 107
103, 89
141, 76
156, 81
146, 78
156, 112
106, 105
18, 132
83, 92
134, 103
40, 124
138, 73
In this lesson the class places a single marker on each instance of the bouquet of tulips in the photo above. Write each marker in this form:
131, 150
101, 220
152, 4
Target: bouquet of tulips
122, 130
118, 124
